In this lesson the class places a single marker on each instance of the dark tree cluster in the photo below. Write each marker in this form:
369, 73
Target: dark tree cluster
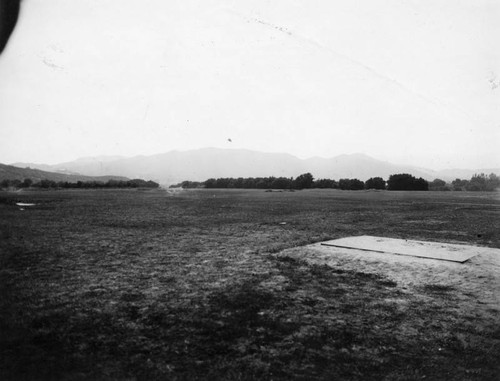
50, 184
351, 184
405, 181
251, 183
477, 183
325, 184
375, 183
401, 181
304, 181
189, 185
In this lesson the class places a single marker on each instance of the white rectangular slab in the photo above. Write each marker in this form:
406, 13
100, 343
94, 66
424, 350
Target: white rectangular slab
435, 250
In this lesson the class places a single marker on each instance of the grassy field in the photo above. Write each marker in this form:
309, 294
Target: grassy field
141, 285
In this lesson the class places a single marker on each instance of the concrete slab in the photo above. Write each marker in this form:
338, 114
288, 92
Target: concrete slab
434, 250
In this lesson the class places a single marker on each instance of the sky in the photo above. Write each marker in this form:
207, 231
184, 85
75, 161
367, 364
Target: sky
411, 82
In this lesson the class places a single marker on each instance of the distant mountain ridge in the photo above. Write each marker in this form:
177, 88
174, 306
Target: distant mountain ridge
201, 164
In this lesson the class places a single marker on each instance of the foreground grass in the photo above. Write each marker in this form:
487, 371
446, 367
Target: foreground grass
143, 285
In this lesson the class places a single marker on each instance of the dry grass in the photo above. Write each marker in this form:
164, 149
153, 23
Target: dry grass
145, 285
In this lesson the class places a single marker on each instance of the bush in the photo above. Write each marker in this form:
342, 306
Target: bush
438, 185
405, 181
459, 184
325, 183
375, 183
303, 181
26, 183
351, 184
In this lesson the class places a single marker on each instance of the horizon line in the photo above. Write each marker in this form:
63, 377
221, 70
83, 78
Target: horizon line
370, 156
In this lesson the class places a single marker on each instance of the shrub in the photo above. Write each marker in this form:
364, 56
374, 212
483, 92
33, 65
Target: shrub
405, 181
375, 183
303, 181
438, 185
351, 184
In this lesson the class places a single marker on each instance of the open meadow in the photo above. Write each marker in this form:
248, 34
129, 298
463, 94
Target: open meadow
211, 284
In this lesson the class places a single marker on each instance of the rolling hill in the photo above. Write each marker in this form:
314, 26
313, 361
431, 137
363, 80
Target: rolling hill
10, 172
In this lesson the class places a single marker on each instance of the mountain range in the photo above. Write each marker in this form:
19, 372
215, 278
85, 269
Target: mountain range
201, 164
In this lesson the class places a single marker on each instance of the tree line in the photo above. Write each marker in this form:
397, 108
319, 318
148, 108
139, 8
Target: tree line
478, 183
400, 181
307, 181
50, 184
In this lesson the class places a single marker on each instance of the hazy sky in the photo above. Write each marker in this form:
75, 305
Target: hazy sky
415, 82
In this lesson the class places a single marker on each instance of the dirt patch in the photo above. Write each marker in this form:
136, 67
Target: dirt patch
477, 280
